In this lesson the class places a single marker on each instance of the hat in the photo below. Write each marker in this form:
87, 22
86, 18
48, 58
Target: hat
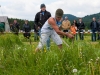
42, 5
59, 13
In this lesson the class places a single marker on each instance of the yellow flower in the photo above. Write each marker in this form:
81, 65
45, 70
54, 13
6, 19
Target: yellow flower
44, 50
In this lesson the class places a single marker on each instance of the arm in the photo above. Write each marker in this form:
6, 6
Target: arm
23, 28
29, 28
51, 21
17, 26
91, 25
69, 24
83, 26
49, 15
36, 20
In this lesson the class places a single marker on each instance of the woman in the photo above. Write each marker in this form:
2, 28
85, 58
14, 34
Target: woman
26, 29
76, 24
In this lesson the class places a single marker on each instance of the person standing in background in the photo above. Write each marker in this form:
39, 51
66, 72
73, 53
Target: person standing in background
73, 29
66, 25
76, 24
99, 30
94, 27
15, 27
26, 29
81, 28
40, 19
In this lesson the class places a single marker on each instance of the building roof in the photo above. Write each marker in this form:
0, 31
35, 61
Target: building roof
3, 18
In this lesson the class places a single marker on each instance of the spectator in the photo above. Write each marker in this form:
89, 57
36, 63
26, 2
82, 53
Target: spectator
73, 29
66, 24
99, 30
26, 29
40, 19
94, 27
76, 24
15, 27
81, 28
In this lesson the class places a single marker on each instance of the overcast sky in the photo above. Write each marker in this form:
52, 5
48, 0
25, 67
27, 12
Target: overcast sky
26, 9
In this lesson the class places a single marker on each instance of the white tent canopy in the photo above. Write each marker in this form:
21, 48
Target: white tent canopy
5, 20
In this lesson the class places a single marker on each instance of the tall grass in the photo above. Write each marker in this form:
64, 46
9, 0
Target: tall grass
18, 58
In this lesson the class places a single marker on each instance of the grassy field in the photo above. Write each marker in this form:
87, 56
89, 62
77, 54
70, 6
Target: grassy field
17, 57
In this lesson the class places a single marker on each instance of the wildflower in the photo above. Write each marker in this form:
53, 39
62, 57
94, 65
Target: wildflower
60, 60
18, 48
44, 50
25, 49
89, 62
80, 49
57, 64
91, 59
74, 70
80, 52
98, 57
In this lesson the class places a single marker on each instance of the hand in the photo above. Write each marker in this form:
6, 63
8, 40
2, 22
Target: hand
70, 36
38, 28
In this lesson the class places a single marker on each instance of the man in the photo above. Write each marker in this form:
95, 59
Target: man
66, 24
40, 18
51, 29
94, 27
15, 27
1, 27
81, 28
99, 30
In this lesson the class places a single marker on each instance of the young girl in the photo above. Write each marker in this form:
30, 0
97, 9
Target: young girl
73, 29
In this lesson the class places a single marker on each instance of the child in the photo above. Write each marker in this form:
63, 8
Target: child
73, 29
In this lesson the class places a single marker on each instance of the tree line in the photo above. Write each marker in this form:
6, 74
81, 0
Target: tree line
21, 22
87, 20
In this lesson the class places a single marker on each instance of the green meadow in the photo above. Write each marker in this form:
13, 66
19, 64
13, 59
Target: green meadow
17, 57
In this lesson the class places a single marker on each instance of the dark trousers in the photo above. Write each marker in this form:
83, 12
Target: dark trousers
65, 32
81, 34
93, 37
99, 35
27, 35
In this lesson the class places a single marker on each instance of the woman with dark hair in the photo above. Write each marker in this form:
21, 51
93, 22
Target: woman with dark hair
75, 22
26, 29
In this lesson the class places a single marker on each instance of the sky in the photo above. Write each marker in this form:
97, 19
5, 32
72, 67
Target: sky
27, 9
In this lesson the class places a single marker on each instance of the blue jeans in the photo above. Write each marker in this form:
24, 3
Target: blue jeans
81, 34
93, 37
48, 41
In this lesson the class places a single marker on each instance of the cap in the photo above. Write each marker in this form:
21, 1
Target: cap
42, 5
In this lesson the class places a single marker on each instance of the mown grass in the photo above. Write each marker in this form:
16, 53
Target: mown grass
17, 57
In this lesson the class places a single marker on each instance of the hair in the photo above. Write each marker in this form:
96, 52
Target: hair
26, 20
59, 13
73, 23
